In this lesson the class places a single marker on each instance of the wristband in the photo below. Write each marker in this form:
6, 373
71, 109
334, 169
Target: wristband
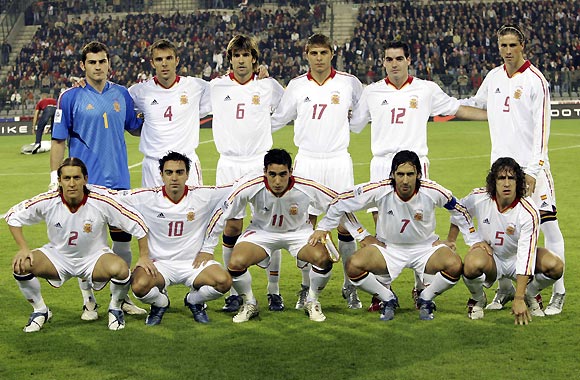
54, 176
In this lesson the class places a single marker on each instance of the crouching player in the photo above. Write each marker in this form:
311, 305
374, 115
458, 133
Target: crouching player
177, 216
509, 224
77, 222
405, 232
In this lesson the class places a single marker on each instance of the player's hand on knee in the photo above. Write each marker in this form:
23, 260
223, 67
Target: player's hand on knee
370, 240
318, 236
201, 259
148, 266
19, 261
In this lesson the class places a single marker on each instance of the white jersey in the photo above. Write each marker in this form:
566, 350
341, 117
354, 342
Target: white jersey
513, 234
241, 114
176, 230
410, 223
400, 115
82, 233
518, 112
278, 214
320, 111
171, 115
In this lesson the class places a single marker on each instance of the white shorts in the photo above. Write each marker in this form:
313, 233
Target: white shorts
292, 241
151, 175
229, 169
381, 167
544, 196
67, 267
333, 170
180, 271
399, 258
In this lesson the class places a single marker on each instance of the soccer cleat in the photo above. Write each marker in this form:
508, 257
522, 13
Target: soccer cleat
416, 293
556, 304
198, 310
388, 309
302, 294
130, 308
501, 298
156, 315
233, 303
90, 311
247, 312
375, 304
426, 309
350, 295
534, 305
314, 311
36, 321
475, 308
116, 320
275, 302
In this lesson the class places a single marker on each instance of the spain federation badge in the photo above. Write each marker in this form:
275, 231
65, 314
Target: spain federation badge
183, 99
256, 99
190, 216
88, 227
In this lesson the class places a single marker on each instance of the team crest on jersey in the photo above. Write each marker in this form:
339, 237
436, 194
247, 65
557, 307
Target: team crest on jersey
117, 106
510, 229
90, 107
256, 100
418, 215
183, 99
190, 216
541, 163
335, 98
518, 93
88, 227
414, 103
293, 209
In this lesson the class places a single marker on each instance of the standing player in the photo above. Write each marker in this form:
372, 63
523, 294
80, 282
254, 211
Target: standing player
76, 220
93, 120
280, 220
400, 106
172, 106
406, 232
242, 133
508, 222
43, 115
177, 216
517, 98
319, 103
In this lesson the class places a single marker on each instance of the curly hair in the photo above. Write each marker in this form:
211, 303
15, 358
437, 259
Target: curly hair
510, 165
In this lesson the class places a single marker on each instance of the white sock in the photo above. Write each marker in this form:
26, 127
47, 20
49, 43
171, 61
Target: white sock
346, 249
243, 285
439, 285
554, 241
274, 272
30, 288
504, 284
155, 297
305, 275
204, 294
539, 282
86, 287
123, 250
475, 287
119, 289
318, 282
370, 284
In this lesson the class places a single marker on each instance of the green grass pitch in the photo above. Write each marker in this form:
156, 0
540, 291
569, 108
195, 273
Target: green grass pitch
350, 344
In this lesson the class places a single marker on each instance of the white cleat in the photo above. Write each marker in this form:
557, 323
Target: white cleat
90, 312
36, 321
247, 312
556, 304
130, 308
475, 309
534, 306
116, 320
314, 311
501, 298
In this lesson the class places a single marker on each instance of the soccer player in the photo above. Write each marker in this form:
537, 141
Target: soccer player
172, 106
177, 216
76, 220
517, 98
93, 119
280, 221
406, 233
399, 107
43, 115
508, 222
242, 133
319, 103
